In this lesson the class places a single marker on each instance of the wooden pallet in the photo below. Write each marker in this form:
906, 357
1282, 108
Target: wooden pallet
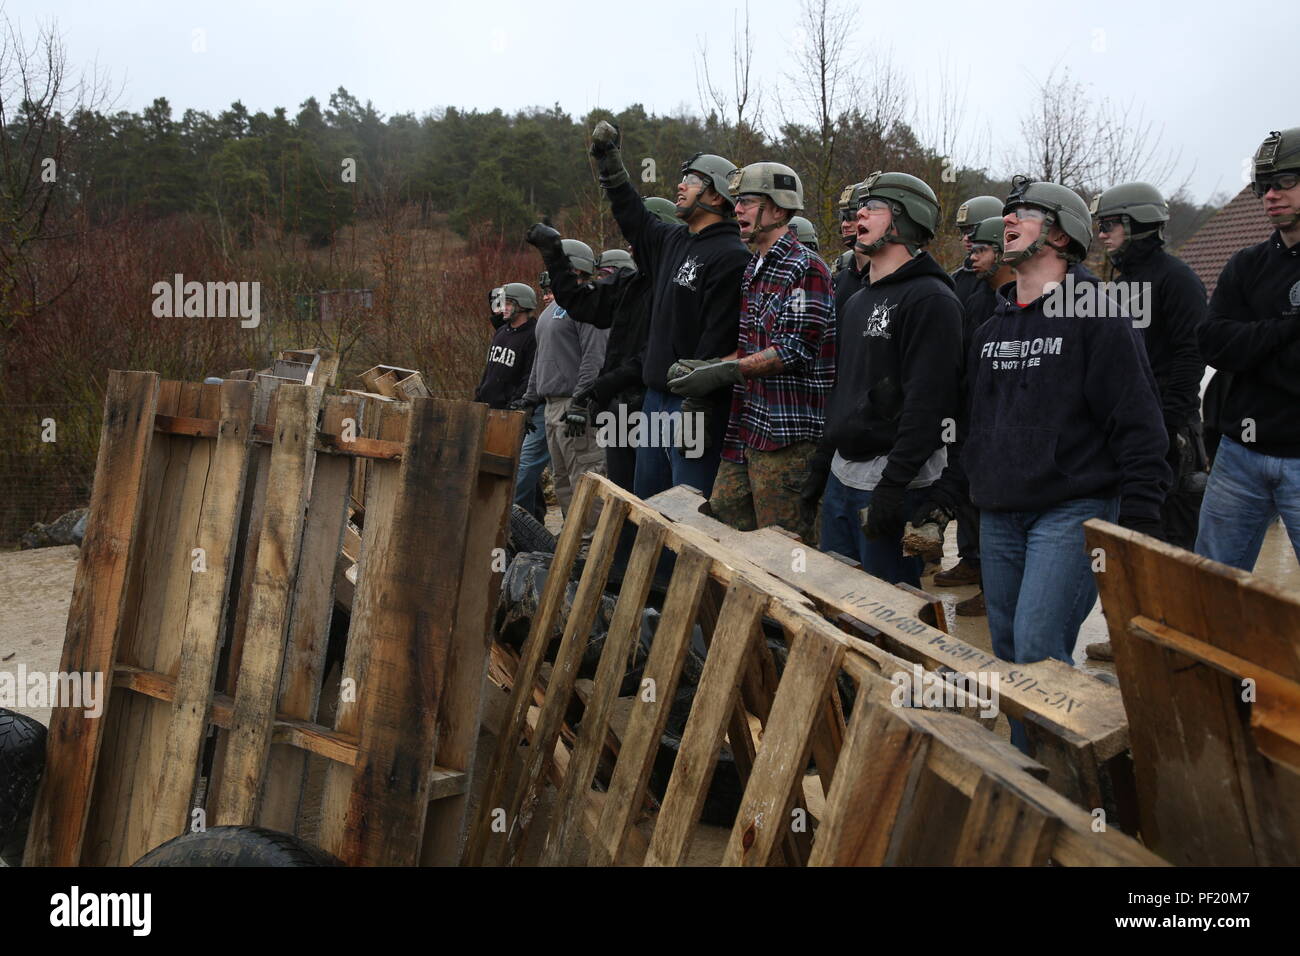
1208, 659
234, 637
900, 785
1075, 722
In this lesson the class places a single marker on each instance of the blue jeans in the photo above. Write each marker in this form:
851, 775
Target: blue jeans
841, 532
1246, 491
1038, 583
533, 459
658, 469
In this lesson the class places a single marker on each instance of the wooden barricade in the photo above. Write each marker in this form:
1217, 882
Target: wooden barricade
204, 595
1208, 659
1075, 722
900, 785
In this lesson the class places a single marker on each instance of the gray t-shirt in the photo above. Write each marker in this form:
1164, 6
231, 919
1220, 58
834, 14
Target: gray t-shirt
865, 475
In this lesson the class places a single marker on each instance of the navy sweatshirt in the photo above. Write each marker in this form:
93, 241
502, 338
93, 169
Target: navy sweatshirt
1253, 332
510, 359
897, 369
695, 307
1059, 408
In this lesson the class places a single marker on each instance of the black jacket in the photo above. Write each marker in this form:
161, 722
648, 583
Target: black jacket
965, 281
1177, 308
620, 303
847, 281
1253, 332
695, 307
897, 369
510, 359
1059, 408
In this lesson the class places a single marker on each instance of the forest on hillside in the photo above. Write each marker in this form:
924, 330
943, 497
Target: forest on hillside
97, 204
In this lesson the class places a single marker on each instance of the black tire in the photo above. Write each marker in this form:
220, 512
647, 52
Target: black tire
722, 802
22, 761
236, 846
527, 534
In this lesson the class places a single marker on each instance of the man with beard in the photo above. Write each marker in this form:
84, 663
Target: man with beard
695, 303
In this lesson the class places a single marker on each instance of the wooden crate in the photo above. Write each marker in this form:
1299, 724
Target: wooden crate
899, 785
233, 636
1075, 722
1208, 659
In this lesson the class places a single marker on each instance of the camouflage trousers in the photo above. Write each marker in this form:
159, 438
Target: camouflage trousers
764, 491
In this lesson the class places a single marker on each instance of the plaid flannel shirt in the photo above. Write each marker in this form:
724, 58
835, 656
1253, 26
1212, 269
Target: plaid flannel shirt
786, 303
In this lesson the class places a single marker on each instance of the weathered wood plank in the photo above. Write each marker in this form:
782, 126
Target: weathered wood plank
59, 819
1004, 829
645, 726
787, 742
408, 606
258, 680
539, 638
564, 671
312, 606
205, 614
624, 629
462, 699
715, 701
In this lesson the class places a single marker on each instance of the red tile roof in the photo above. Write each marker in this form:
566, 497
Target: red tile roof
1239, 224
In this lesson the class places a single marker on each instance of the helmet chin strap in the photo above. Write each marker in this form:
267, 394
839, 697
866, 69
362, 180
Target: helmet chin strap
1014, 259
891, 235
760, 229
723, 210
1129, 236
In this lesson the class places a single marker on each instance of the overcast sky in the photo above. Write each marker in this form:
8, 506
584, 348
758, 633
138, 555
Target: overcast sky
1217, 75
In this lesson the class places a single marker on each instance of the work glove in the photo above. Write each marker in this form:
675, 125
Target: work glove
547, 240
696, 378
1152, 526
883, 518
605, 139
814, 485
527, 406
577, 416
704, 411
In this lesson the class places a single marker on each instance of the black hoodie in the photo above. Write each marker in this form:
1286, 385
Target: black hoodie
510, 360
897, 369
1253, 333
695, 309
621, 303
1177, 305
1060, 408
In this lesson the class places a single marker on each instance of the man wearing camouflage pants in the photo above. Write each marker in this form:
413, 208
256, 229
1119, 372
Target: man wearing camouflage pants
784, 366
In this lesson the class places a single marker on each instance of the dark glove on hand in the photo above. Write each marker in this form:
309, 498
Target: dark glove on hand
1141, 523
577, 416
700, 424
547, 240
814, 485
883, 518
605, 139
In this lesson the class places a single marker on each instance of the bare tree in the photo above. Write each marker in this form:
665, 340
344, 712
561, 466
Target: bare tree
823, 88
36, 94
1069, 139
740, 106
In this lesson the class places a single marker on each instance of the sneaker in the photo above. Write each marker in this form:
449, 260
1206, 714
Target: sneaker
972, 606
961, 573
1100, 651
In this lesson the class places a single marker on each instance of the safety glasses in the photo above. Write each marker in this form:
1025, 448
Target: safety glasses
1107, 225
874, 205
1279, 181
694, 179
980, 247
1024, 213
